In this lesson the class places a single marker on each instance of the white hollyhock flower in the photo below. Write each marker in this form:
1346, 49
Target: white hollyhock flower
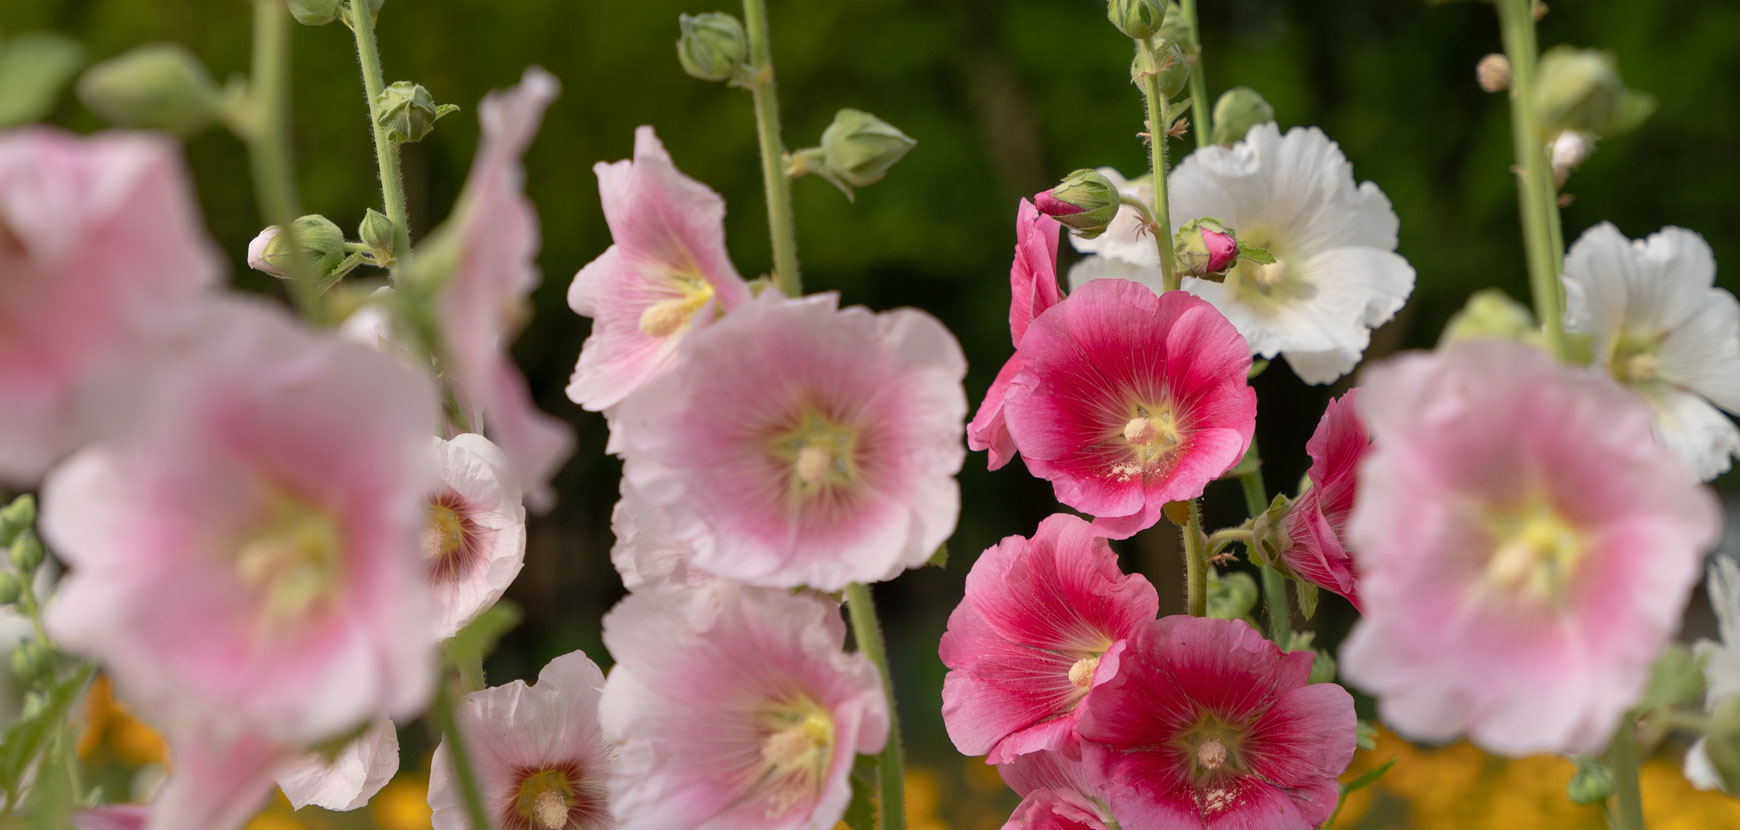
1662, 328
474, 541
349, 779
1721, 662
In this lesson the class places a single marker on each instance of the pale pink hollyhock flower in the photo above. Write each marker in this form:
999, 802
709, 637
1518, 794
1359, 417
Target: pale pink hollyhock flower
1033, 288
1526, 548
1314, 527
493, 239
735, 707
801, 444
1127, 400
216, 784
248, 562
667, 274
541, 761
101, 252
1057, 793
348, 779
1042, 623
649, 550
474, 543
1209, 725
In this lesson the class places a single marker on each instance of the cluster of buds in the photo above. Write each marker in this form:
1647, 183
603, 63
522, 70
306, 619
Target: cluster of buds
857, 150
326, 255
31, 658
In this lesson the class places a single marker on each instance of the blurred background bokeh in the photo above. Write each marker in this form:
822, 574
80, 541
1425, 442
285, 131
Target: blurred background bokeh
1004, 97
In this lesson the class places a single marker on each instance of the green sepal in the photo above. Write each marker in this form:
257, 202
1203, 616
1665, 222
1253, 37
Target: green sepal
1676, 677
1307, 594
1251, 253
861, 810
939, 558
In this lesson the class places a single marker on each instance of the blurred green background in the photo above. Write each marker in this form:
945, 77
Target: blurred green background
1003, 96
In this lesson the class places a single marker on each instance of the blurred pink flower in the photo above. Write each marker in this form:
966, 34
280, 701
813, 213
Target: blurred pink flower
113, 817
1056, 794
216, 784
348, 779
1313, 530
101, 254
1043, 622
1209, 725
493, 239
648, 551
248, 562
474, 542
1526, 548
1127, 400
1033, 288
667, 274
800, 444
541, 761
735, 707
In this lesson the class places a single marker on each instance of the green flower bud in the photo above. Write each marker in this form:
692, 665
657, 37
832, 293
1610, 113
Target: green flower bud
1579, 90
1490, 314
1086, 202
858, 148
376, 231
321, 241
17, 517
1591, 783
408, 112
713, 46
1177, 28
1238, 110
10, 588
1205, 248
30, 659
1231, 596
27, 552
316, 12
158, 86
1138, 19
1172, 71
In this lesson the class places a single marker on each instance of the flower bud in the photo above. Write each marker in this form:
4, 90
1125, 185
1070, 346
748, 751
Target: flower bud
1591, 783
257, 252
321, 241
858, 148
315, 12
1138, 19
376, 231
1205, 248
10, 588
1231, 596
1177, 29
1172, 71
1490, 314
1493, 73
1568, 152
1238, 110
713, 46
408, 112
1086, 202
159, 86
17, 517
1579, 90
27, 552
30, 659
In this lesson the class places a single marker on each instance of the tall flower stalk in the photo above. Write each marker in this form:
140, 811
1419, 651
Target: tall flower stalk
781, 224
1536, 195
392, 174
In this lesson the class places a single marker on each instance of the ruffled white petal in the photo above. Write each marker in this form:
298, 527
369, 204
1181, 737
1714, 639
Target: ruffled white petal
351, 778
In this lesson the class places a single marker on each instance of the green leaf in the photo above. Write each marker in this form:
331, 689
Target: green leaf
34, 68
477, 640
1366, 735
24, 740
1676, 677
940, 559
1231, 596
1370, 777
1252, 253
861, 811
1307, 596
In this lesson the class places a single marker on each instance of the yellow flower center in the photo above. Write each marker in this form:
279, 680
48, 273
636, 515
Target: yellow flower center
445, 533
1535, 555
1211, 754
673, 316
293, 562
1082, 673
1634, 360
1150, 435
545, 798
796, 752
819, 454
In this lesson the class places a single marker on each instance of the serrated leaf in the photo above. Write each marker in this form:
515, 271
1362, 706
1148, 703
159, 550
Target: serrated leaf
24, 740
34, 68
861, 810
1307, 596
940, 559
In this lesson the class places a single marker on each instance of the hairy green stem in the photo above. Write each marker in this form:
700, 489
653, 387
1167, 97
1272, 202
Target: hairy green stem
447, 717
1157, 126
268, 138
890, 776
781, 223
1626, 811
368, 55
1274, 586
1199, 107
1195, 564
1536, 194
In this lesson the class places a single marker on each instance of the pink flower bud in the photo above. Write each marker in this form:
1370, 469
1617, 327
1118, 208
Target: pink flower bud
257, 252
1223, 249
1052, 206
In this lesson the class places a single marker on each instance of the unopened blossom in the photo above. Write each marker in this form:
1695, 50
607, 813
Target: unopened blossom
1127, 250
1033, 288
1209, 725
1721, 662
350, 777
248, 562
666, 275
735, 707
1664, 330
649, 551
493, 242
1057, 793
802, 444
541, 761
257, 252
1312, 531
474, 541
1127, 400
1526, 549
1043, 622
101, 254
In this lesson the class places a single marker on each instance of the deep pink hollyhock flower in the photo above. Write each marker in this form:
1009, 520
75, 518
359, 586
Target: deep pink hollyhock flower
1042, 623
540, 758
1312, 532
667, 274
1526, 548
735, 707
248, 562
1033, 288
474, 542
1127, 400
101, 252
1208, 725
801, 444
1223, 250
493, 238
1056, 794
348, 779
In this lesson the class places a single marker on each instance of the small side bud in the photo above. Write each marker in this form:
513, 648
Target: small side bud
1172, 69
10, 588
713, 46
1591, 783
17, 517
376, 231
321, 242
1238, 110
1177, 28
159, 86
27, 552
1579, 90
1205, 248
1086, 202
408, 112
858, 148
30, 660
316, 12
1137, 19
1568, 152
1493, 73
257, 249
1490, 314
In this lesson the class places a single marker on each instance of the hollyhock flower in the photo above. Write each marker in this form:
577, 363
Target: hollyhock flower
1033, 288
216, 784
800, 444
1127, 400
1721, 662
113, 817
1526, 548
248, 562
493, 243
1663, 330
667, 274
1210, 725
349, 779
1311, 534
649, 550
1056, 794
735, 707
101, 252
1043, 622
540, 759
475, 540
